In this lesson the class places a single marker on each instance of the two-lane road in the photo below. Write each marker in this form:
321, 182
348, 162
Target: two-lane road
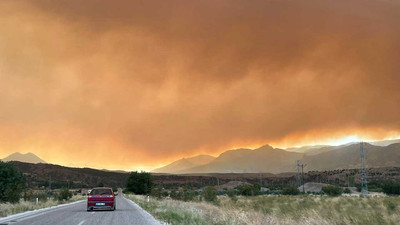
127, 212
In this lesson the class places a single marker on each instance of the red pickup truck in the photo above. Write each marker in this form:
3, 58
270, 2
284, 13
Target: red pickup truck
101, 198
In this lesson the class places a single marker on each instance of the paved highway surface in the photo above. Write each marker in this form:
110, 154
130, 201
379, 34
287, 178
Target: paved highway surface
127, 212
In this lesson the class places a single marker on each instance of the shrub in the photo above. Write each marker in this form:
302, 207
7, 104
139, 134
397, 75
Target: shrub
139, 183
249, 190
232, 195
11, 183
246, 190
346, 191
165, 193
156, 192
256, 189
391, 188
31, 196
176, 194
332, 190
64, 194
290, 191
210, 194
391, 205
188, 195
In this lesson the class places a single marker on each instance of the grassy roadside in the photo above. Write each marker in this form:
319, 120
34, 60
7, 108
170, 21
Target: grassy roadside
7, 209
276, 210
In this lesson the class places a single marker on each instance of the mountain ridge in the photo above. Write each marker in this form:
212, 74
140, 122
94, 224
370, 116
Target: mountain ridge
184, 163
27, 157
275, 160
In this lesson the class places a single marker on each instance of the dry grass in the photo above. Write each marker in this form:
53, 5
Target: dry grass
258, 210
7, 209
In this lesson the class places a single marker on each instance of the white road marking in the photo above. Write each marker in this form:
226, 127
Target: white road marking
92, 212
81, 222
30, 214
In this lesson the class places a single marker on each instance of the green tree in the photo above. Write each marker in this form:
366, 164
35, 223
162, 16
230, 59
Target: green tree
391, 188
290, 191
65, 194
332, 190
347, 191
249, 190
210, 194
232, 195
256, 189
139, 183
11, 183
188, 194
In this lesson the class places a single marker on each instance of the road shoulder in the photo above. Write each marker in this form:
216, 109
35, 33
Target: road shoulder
36, 212
150, 218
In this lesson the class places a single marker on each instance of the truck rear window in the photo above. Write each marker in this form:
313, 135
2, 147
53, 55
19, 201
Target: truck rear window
104, 191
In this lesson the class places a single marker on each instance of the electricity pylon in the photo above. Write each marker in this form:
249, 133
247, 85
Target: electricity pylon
364, 185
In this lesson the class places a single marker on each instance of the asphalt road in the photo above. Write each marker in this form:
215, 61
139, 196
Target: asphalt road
127, 212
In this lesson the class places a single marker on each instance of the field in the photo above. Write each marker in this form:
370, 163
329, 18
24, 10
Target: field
304, 209
23, 206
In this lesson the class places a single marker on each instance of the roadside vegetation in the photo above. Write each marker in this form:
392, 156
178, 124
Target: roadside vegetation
139, 183
253, 204
11, 183
7, 209
15, 197
270, 209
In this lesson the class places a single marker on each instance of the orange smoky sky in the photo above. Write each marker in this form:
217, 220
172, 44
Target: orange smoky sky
132, 84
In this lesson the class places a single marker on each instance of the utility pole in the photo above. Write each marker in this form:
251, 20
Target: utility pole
50, 182
260, 180
364, 185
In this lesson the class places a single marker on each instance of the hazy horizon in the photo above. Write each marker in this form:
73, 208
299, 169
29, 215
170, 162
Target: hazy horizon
343, 142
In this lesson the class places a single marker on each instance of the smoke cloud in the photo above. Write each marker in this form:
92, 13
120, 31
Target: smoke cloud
134, 84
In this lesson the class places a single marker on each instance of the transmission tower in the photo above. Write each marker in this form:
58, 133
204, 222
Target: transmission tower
298, 174
364, 185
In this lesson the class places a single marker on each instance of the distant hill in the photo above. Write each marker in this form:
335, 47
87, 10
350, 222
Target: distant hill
385, 142
38, 175
28, 157
185, 163
316, 149
273, 160
349, 157
263, 159
306, 149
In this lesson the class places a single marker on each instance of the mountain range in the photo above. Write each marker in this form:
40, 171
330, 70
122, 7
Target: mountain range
28, 157
185, 163
275, 160
267, 159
